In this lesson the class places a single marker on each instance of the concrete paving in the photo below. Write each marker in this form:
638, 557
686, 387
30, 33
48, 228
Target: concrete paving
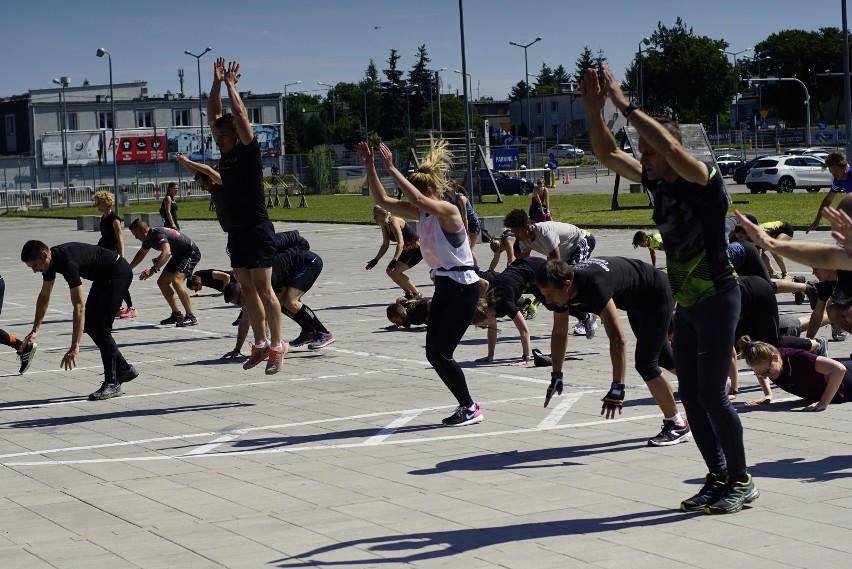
340, 460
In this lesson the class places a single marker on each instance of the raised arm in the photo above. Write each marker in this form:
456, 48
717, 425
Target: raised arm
603, 142
377, 190
193, 167
214, 100
656, 136
244, 130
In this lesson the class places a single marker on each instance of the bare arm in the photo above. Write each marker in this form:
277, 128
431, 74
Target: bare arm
524, 332
377, 190
140, 255
159, 262
559, 340
603, 142
193, 167
168, 208
617, 341
69, 360
396, 227
42, 303
826, 202
119, 236
214, 100
238, 109
835, 372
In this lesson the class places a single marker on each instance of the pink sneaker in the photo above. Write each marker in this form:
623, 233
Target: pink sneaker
128, 313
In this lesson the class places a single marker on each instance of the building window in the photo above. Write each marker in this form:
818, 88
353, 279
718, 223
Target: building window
181, 117
10, 125
144, 119
254, 115
538, 108
70, 121
104, 119
554, 106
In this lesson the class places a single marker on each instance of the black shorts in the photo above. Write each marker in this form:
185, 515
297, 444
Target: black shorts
252, 247
411, 256
785, 228
307, 274
185, 264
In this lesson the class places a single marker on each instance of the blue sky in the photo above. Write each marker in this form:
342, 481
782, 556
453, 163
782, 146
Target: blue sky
278, 42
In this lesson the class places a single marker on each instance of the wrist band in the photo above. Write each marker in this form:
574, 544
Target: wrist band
630, 108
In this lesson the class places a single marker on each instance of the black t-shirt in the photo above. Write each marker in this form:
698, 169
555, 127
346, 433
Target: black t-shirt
180, 244
242, 177
285, 265
409, 236
286, 239
108, 239
173, 210
746, 260
417, 311
691, 219
217, 195
76, 261
630, 283
507, 287
207, 280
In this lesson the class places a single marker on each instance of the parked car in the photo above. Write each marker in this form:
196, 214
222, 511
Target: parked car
785, 173
820, 153
728, 162
565, 151
506, 184
740, 172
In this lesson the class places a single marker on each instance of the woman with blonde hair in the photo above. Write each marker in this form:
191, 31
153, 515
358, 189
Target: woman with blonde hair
445, 247
407, 253
816, 379
112, 238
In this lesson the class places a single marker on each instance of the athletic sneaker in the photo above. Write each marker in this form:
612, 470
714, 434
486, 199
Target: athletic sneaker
464, 416
26, 355
670, 435
128, 375
737, 494
106, 391
713, 489
304, 337
173, 319
188, 320
838, 334
531, 313
590, 324
275, 359
321, 341
799, 297
823, 347
258, 354
128, 313
579, 329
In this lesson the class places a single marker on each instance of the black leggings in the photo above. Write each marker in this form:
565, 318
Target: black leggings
703, 344
103, 301
450, 313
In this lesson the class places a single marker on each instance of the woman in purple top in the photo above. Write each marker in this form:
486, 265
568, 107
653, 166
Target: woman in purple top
816, 379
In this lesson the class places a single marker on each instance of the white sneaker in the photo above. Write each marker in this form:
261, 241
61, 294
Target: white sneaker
591, 324
579, 329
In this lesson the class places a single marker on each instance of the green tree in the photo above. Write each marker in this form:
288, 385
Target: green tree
421, 84
585, 61
518, 92
392, 122
544, 81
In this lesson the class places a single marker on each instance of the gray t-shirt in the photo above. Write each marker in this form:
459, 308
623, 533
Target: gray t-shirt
550, 235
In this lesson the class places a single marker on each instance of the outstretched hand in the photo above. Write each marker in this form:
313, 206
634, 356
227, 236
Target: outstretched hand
755, 233
387, 155
232, 74
613, 88
219, 69
365, 153
841, 226
590, 90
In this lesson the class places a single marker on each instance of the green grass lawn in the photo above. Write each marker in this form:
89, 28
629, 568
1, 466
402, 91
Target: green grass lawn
585, 210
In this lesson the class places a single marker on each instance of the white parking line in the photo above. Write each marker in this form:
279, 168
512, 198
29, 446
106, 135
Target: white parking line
555, 416
380, 437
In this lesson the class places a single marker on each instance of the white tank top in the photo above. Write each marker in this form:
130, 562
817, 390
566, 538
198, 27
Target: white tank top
440, 254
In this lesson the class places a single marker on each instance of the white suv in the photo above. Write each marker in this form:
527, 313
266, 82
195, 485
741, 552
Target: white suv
565, 151
785, 173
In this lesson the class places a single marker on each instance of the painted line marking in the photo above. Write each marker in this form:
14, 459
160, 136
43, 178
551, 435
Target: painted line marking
204, 449
392, 428
555, 416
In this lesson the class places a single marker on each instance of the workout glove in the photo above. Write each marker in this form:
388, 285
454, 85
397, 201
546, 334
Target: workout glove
613, 400
555, 386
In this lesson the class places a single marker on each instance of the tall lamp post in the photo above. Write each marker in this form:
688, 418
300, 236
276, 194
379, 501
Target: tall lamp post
100, 53
286, 115
63, 102
639, 85
527, 81
469, 80
333, 105
734, 55
200, 110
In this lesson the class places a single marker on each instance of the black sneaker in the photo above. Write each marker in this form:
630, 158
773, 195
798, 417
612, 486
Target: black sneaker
822, 350
713, 489
128, 375
173, 319
188, 320
737, 494
670, 435
106, 391
799, 297
304, 337
26, 355
464, 416
838, 334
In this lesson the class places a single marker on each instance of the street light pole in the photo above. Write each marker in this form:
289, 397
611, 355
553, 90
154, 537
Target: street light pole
63, 136
100, 53
527, 81
640, 86
469, 80
200, 111
807, 101
438, 85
